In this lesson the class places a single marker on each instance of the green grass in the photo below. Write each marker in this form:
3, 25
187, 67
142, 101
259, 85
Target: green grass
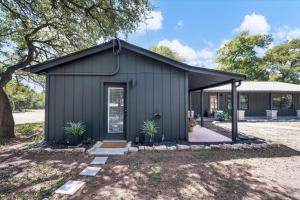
203, 154
42, 192
29, 127
158, 158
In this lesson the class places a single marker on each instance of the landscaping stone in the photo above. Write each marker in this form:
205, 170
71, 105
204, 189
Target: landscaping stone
148, 148
90, 171
225, 146
160, 148
197, 147
70, 187
132, 149
171, 148
79, 149
99, 160
215, 146
182, 147
207, 147
141, 148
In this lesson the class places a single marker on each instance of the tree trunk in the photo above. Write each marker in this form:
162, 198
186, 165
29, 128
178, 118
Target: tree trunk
6, 118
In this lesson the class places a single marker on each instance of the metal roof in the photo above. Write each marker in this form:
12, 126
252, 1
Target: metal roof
258, 86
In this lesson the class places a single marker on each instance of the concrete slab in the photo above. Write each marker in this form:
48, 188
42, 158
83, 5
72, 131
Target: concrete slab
108, 151
90, 171
99, 160
201, 134
70, 187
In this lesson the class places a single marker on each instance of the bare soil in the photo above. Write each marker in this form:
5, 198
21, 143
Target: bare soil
271, 173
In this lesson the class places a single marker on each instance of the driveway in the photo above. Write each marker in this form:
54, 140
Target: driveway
286, 133
29, 117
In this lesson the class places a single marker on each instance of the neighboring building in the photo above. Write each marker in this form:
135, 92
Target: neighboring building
255, 97
113, 87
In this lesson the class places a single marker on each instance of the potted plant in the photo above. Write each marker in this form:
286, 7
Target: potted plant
192, 123
74, 131
149, 129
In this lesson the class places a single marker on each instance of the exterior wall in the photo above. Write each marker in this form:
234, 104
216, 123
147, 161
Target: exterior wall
158, 88
258, 103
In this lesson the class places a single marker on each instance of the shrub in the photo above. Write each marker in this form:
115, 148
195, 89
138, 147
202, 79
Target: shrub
149, 128
223, 116
75, 128
28, 128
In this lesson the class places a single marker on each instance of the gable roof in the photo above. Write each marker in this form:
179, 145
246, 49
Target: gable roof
258, 86
43, 67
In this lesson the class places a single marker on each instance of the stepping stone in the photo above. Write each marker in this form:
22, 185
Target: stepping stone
90, 171
109, 151
70, 187
99, 160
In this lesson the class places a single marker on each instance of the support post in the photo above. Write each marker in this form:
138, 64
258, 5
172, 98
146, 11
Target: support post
201, 107
234, 127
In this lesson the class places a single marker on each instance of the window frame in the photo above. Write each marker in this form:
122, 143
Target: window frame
281, 95
245, 95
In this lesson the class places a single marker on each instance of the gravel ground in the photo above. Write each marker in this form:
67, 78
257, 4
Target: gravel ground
29, 117
287, 133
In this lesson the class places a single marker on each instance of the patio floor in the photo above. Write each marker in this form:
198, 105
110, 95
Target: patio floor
202, 134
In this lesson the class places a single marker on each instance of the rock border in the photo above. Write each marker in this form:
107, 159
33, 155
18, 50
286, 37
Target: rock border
193, 147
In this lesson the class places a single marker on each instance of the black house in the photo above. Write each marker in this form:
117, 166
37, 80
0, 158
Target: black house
113, 87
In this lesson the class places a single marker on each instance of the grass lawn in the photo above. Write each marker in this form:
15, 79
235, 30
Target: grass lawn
208, 174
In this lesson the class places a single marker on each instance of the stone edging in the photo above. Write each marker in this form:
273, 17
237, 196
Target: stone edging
201, 147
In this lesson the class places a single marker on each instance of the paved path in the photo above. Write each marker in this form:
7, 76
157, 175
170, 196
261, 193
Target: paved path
29, 117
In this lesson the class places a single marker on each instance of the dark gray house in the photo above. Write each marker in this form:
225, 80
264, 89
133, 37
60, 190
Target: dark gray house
254, 97
115, 86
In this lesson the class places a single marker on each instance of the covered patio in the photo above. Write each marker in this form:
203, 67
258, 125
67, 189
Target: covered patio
205, 78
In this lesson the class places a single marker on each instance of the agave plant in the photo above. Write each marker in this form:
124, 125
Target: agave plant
149, 128
75, 128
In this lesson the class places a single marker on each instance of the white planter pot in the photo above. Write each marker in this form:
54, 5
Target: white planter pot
298, 114
271, 114
241, 114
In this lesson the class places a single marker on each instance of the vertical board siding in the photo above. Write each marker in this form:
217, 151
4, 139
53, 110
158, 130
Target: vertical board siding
158, 88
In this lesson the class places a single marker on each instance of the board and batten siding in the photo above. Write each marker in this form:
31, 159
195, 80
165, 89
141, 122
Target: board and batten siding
152, 87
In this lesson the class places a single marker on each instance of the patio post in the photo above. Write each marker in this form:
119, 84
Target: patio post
234, 127
201, 107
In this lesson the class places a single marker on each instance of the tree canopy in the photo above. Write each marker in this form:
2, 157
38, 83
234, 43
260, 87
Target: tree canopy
283, 62
166, 51
35, 31
240, 55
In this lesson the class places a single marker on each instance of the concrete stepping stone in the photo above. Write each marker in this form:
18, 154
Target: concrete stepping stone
99, 160
108, 151
90, 171
70, 187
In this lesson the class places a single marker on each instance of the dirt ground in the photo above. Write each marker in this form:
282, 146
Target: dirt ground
287, 133
271, 173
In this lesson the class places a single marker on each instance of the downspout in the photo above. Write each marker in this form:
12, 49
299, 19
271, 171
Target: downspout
116, 51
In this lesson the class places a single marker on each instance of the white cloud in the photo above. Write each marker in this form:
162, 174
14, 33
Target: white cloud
203, 57
254, 24
179, 25
152, 23
287, 33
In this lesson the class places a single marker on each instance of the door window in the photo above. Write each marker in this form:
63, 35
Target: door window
115, 109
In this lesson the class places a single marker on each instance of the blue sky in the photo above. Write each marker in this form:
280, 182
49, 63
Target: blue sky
196, 29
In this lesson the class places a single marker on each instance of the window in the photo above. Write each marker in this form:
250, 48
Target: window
282, 101
213, 103
229, 104
244, 102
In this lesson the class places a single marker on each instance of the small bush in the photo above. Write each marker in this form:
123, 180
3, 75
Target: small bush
75, 128
38, 138
149, 128
223, 116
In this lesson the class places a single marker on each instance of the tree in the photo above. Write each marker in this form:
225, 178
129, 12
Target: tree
166, 51
239, 55
35, 31
284, 62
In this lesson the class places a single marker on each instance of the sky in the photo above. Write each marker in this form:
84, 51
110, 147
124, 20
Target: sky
195, 29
